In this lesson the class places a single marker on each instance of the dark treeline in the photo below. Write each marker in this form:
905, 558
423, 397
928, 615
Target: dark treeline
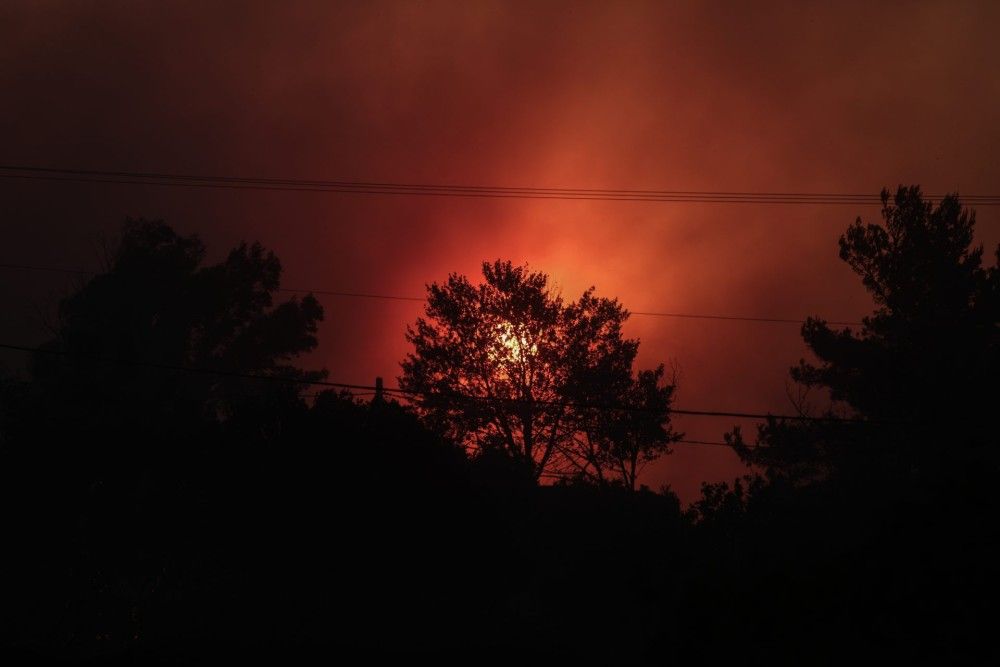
156, 513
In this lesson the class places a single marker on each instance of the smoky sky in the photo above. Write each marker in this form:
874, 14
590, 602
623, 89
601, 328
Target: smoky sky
796, 97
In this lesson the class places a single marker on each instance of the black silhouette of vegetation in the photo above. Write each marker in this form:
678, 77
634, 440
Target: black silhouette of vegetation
153, 514
924, 366
509, 366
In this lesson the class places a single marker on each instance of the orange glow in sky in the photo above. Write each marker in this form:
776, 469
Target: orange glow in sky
797, 97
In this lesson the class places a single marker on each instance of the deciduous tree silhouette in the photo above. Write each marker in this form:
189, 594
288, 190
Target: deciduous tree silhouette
507, 365
616, 444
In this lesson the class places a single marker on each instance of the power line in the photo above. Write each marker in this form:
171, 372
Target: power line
396, 297
450, 190
673, 411
406, 393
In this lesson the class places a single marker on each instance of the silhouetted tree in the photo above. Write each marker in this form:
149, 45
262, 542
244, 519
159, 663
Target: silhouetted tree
157, 304
507, 365
616, 444
125, 446
924, 365
165, 506
882, 532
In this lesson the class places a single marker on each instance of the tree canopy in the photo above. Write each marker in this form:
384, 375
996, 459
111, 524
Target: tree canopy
158, 304
923, 368
508, 365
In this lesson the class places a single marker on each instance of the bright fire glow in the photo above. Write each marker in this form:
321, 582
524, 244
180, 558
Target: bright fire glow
516, 344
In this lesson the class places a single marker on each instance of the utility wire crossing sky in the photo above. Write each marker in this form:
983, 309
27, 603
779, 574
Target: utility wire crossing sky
410, 392
447, 190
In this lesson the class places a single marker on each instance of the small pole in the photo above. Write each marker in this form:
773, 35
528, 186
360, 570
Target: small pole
379, 395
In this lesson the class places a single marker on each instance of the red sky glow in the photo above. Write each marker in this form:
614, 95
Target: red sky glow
784, 97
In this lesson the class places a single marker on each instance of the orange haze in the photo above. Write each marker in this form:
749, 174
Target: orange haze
798, 97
